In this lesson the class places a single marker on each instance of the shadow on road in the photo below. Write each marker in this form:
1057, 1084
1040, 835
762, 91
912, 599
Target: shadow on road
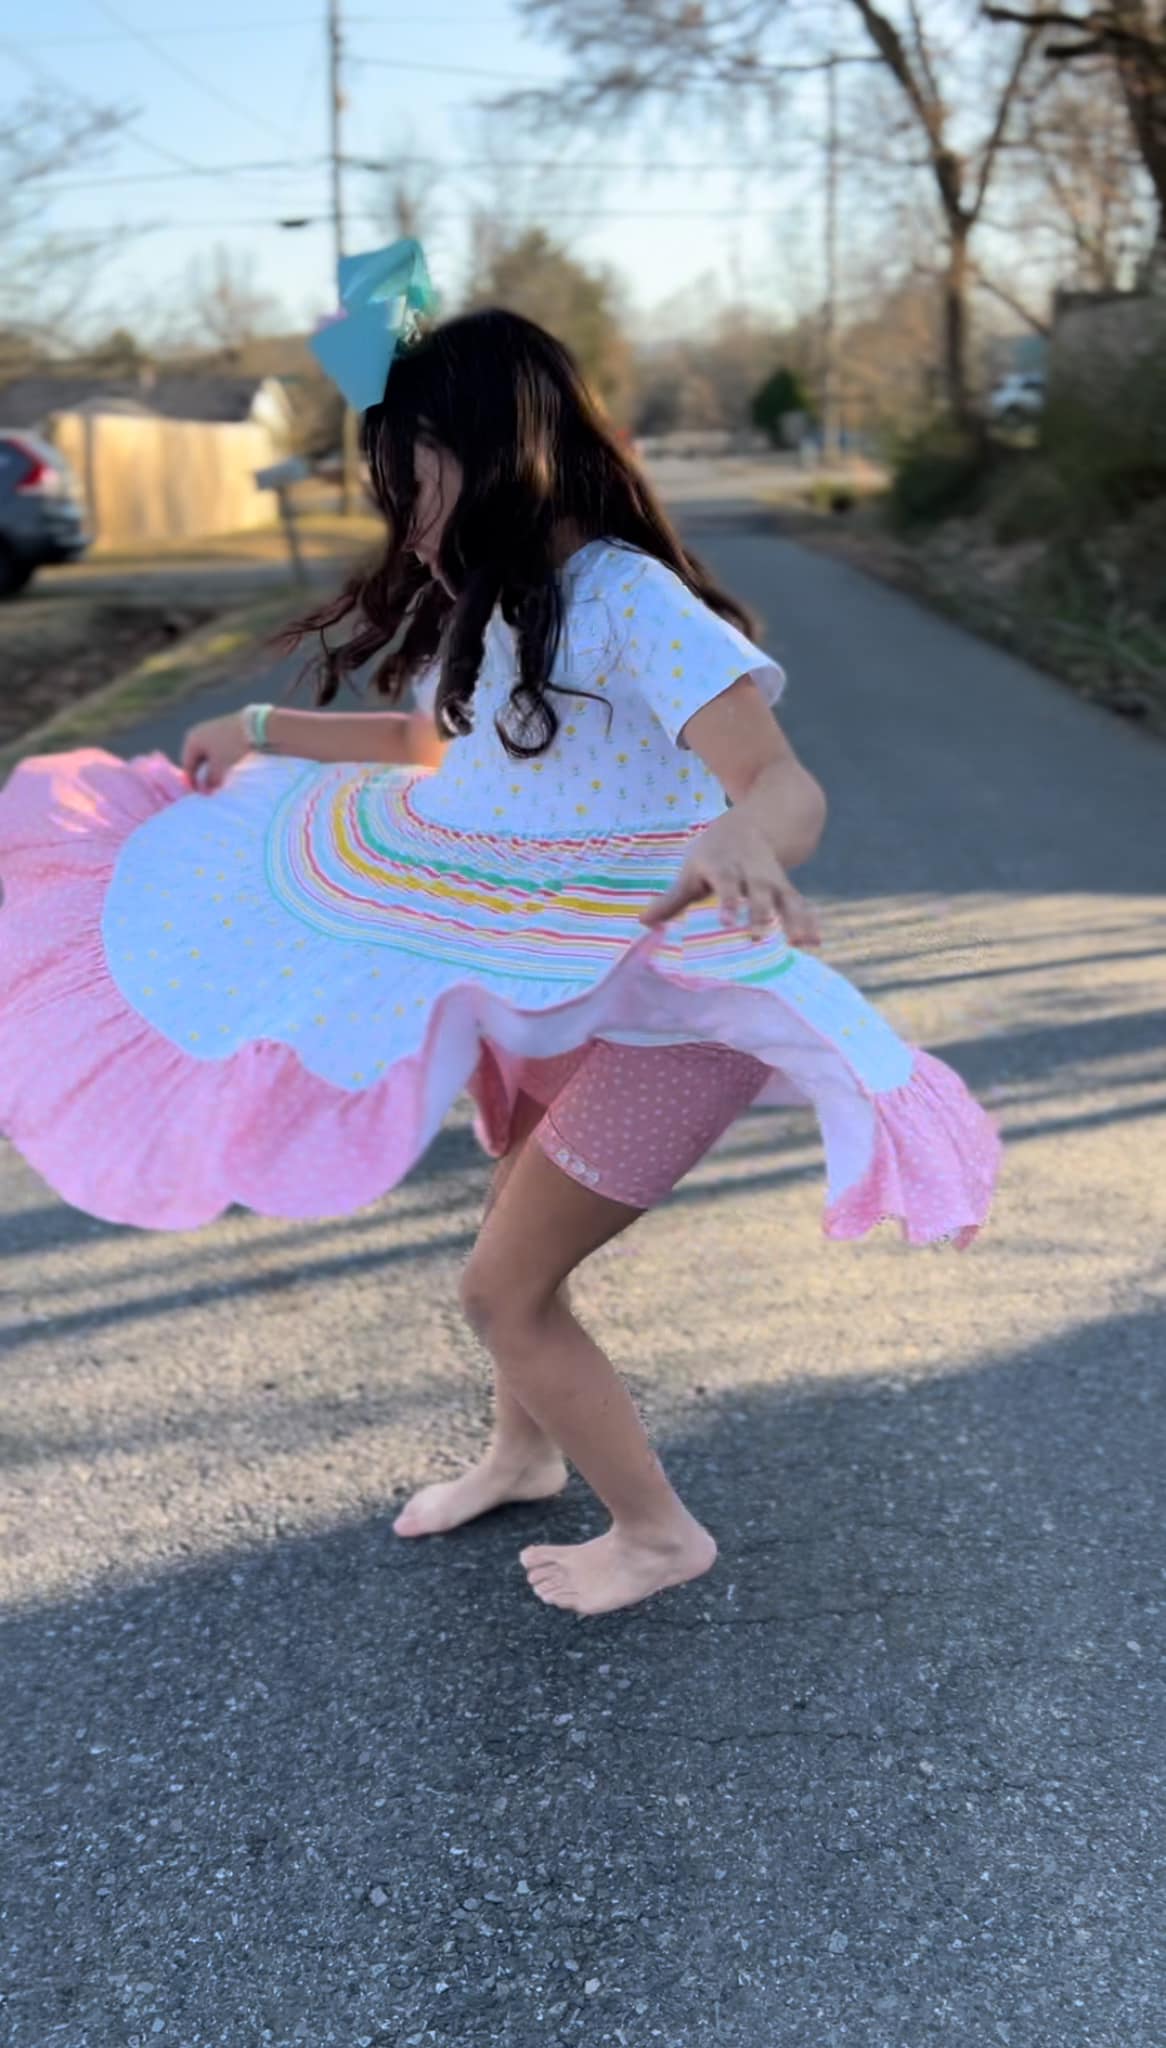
884, 1776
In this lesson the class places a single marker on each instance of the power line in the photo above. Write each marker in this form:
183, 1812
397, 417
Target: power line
261, 165
646, 166
457, 71
41, 73
129, 34
263, 28
811, 65
550, 215
150, 42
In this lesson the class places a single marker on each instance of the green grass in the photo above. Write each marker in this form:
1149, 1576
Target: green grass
174, 673
324, 537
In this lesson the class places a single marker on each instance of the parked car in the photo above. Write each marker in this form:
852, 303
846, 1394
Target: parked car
1019, 397
42, 518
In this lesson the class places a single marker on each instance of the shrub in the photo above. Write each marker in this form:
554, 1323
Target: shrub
939, 472
1111, 452
1032, 502
781, 394
830, 497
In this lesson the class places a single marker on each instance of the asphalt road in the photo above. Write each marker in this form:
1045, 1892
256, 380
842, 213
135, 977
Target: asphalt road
891, 1777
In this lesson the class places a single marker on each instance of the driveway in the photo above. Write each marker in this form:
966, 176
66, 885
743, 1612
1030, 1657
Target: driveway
891, 1777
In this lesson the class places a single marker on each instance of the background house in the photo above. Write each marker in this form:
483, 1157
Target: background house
160, 454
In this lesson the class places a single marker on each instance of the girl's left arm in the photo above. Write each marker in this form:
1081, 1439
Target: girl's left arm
400, 738
777, 820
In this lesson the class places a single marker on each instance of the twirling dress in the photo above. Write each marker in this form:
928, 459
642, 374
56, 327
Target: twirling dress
273, 995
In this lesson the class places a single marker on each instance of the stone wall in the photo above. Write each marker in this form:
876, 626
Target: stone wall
1098, 339
1107, 382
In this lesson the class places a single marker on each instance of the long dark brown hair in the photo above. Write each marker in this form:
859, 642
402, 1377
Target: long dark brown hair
537, 455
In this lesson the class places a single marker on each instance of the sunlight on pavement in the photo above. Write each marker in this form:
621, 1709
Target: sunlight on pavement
189, 1396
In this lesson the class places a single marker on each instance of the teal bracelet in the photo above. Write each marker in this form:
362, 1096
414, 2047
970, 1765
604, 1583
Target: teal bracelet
255, 717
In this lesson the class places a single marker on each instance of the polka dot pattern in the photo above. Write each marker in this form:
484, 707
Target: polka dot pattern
648, 654
210, 1000
629, 1121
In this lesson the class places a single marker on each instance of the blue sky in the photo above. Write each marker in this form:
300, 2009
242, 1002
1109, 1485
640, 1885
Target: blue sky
245, 85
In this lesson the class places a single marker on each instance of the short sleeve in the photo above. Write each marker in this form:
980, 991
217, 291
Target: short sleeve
679, 653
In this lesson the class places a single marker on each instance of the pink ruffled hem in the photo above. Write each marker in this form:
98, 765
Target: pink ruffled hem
77, 1063
935, 1163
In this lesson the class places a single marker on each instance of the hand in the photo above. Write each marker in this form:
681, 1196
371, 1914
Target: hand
733, 861
213, 747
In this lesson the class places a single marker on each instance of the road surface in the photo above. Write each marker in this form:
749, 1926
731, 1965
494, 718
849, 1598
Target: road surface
891, 1777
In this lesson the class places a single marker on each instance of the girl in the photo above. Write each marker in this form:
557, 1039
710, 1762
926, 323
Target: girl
533, 886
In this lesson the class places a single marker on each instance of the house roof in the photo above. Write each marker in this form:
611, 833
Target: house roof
185, 395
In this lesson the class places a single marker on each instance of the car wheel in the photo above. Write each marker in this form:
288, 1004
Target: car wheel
15, 572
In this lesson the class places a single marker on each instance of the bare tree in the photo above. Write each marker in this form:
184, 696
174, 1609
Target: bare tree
1079, 186
405, 184
626, 53
532, 274
1131, 35
44, 272
224, 310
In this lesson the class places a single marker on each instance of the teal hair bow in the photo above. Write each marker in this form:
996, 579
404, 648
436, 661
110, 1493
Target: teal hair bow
382, 295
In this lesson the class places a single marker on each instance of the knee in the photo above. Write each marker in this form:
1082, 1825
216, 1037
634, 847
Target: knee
494, 1302
478, 1295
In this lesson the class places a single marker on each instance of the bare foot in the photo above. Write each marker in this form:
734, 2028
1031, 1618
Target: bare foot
613, 1571
486, 1485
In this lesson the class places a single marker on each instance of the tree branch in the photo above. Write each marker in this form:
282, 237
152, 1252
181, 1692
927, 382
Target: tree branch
1101, 28
1003, 110
1001, 292
928, 108
924, 52
1040, 18
889, 44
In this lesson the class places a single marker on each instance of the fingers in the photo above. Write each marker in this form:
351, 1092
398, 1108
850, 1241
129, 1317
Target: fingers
200, 769
799, 919
730, 890
196, 761
766, 901
686, 889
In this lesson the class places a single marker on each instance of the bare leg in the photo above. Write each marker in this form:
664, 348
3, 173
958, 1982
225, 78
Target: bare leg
544, 1226
522, 1462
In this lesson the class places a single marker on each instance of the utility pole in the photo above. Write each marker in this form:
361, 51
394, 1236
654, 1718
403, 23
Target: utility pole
348, 488
830, 307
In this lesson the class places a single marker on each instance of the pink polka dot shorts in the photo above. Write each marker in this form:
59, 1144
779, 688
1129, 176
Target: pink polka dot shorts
631, 1120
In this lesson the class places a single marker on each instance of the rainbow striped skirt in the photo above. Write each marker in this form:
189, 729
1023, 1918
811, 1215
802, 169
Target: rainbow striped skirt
272, 996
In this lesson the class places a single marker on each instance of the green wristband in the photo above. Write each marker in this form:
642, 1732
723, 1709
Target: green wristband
255, 717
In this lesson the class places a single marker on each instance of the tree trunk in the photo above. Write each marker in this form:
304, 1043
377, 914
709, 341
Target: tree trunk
1144, 91
955, 321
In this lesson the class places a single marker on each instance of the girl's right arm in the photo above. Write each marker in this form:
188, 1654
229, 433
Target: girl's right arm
407, 738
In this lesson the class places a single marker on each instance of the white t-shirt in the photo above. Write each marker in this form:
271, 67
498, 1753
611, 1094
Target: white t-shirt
651, 654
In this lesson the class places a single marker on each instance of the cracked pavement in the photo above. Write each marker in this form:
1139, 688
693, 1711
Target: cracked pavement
891, 1776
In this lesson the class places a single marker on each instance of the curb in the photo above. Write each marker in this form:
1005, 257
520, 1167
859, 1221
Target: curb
177, 671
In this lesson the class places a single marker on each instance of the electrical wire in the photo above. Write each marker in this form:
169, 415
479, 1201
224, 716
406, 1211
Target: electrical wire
549, 215
262, 166
183, 70
276, 23
41, 73
446, 166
